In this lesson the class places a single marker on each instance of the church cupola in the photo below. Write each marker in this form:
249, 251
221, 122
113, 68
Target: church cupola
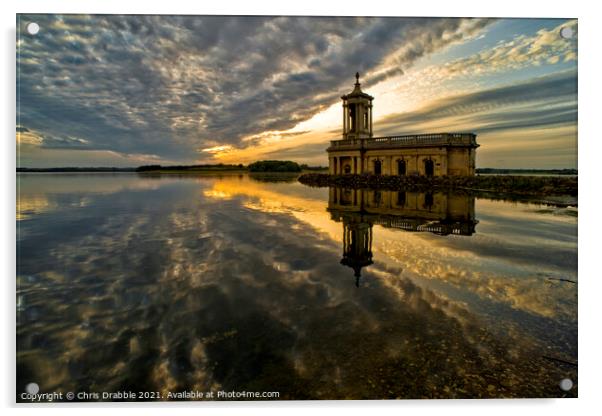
357, 113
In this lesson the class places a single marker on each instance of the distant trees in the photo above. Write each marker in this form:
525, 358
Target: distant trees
147, 168
259, 166
315, 168
214, 167
274, 166
76, 169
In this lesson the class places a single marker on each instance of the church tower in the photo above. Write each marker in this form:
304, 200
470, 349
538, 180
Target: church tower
358, 152
357, 245
357, 113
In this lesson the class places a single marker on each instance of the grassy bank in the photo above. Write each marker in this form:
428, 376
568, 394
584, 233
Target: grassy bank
540, 186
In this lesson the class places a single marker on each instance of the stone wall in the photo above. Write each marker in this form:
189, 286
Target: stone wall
453, 161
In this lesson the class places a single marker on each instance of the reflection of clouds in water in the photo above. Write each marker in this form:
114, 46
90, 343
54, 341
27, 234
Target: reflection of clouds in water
211, 193
522, 288
494, 265
75, 183
177, 290
33, 205
28, 206
41, 193
485, 264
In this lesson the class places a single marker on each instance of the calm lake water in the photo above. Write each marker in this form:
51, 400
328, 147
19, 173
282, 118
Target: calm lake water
180, 283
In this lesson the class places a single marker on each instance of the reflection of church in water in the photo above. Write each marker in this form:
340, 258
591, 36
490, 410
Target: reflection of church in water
360, 209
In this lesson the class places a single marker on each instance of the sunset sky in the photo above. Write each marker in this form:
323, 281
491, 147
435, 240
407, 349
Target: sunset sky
130, 90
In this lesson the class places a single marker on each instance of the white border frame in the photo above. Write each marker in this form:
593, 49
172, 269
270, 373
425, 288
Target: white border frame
589, 230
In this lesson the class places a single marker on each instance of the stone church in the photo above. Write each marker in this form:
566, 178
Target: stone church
435, 154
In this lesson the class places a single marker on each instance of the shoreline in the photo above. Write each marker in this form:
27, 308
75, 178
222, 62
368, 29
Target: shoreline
550, 190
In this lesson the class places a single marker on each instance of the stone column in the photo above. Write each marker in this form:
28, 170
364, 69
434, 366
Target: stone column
443, 170
345, 118
363, 111
370, 119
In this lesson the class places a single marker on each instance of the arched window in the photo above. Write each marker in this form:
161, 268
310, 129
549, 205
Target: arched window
428, 200
401, 167
429, 167
401, 198
351, 117
346, 197
377, 167
377, 198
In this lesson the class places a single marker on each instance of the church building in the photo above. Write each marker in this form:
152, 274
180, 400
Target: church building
431, 154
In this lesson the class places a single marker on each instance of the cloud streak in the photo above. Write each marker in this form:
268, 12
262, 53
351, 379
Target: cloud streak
546, 46
507, 107
170, 86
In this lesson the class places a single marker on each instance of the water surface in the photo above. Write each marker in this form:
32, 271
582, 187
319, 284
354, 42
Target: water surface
174, 283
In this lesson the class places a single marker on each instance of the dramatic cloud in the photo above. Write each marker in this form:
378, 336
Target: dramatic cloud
531, 123
507, 107
546, 46
171, 86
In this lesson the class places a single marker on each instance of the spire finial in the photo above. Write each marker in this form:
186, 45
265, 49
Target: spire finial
357, 78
